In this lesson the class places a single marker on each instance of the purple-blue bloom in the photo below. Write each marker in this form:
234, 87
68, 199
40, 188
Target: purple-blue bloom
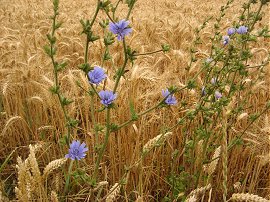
107, 97
231, 31
120, 28
203, 91
77, 150
96, 75
242, 30
170, 100
214, 81
218, 95
226, 40
208, 60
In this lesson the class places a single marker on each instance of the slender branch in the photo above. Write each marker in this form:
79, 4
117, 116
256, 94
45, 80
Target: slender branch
148, 53
123, 67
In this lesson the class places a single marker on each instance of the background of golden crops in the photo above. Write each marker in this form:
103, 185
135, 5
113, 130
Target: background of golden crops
30, 113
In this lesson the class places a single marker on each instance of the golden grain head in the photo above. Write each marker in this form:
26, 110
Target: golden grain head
113, 193
247, 197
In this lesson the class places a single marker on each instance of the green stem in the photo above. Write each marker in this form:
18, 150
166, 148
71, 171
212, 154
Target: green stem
147, 111
115, 8
148, 53
104, 145
234, 142
108, 15
123, 67
255, 19
56, 74
68, 177
96, 13
86, 61
93, 118
130, 9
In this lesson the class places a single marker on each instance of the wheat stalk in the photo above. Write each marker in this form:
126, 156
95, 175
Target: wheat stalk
224, 157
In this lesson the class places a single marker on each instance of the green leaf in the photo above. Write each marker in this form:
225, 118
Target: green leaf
65, 101
85, 67
61, 66
47, 50
165, 47
134, 115
58, 25
54, 89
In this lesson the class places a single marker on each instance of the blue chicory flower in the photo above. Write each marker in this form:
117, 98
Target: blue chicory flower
203, 91
226, 40
77, 150
107, 97
208, 60
242, 30
97, 75
231, 31
218, 95
213, 81
170, 100
120, 28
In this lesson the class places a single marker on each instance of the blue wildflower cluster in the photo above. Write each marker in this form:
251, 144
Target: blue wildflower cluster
231, 31
217, 94
170, 98
97, 75
226, 40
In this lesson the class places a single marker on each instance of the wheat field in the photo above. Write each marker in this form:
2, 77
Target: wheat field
31, 114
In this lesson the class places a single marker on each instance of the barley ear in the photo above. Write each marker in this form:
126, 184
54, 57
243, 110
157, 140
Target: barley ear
53, 166
215, 158
54, 197
247, 197
34, 164
113, 193
198, 192
156, 141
